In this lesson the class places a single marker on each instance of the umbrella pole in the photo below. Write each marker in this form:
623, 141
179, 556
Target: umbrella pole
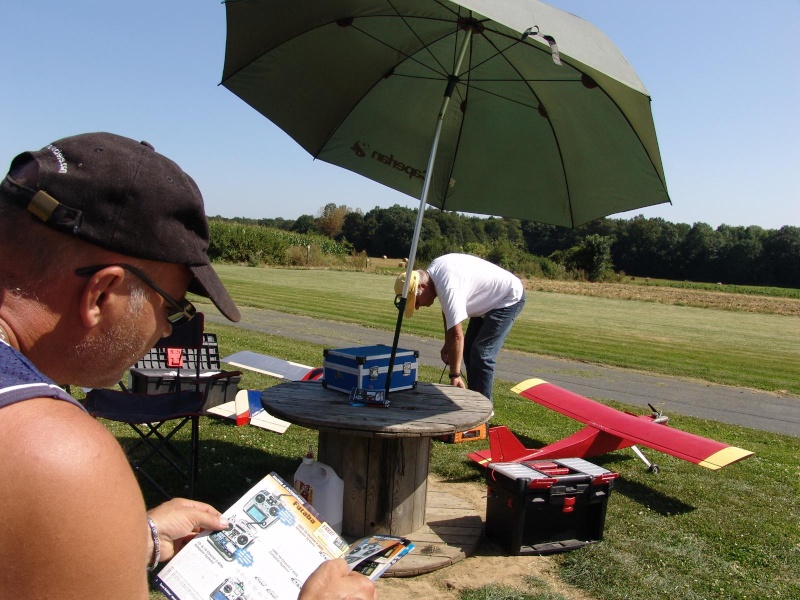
412, 254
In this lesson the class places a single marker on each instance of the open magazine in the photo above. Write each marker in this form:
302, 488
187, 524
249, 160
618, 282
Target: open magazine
273, 542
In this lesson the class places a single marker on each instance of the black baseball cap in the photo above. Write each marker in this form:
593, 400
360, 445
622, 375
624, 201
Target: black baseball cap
122, 195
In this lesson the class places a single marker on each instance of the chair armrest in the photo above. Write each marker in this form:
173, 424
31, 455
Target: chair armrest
223, 375
142, 408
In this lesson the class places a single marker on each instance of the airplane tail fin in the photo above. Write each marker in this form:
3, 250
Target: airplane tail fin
504, 445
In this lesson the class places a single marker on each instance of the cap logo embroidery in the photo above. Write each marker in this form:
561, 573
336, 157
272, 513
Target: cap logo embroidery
62, 162
96, 174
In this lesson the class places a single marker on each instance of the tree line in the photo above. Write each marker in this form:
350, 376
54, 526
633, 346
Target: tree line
645, 247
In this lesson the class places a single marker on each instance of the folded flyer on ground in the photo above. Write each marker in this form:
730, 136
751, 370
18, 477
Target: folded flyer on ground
273, 542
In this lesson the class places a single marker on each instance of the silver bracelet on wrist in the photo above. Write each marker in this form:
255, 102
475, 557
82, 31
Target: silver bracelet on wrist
156, 545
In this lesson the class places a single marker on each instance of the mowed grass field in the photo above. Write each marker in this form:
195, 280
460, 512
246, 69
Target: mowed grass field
735, 348
687, 533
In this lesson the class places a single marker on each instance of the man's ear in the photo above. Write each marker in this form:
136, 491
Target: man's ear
99, 294
425, 286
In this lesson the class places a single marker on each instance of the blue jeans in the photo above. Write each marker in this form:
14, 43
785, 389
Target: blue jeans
482, 342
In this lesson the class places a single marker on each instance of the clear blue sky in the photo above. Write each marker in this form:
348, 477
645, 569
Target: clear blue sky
724, 77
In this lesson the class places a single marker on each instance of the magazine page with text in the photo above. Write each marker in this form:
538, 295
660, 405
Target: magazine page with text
273, 542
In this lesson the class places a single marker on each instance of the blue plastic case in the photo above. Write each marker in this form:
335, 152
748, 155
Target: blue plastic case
365, 367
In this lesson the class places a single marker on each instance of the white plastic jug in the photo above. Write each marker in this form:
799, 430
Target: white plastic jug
322, 487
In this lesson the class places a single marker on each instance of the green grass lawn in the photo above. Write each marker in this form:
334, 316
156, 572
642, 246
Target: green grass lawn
687, 533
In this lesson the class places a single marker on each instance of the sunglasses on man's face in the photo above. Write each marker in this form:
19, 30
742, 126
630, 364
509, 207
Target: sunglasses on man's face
182, 310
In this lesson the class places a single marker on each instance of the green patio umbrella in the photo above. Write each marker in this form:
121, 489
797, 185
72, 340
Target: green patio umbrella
498, 107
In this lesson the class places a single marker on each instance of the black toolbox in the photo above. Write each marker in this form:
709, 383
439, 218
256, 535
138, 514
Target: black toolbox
540, 507
153, 375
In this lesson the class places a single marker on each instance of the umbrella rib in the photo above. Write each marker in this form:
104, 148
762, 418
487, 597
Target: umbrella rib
489, 80
497, 50
506, 98
465, 95
552, 129
470, 68
565, 60
638, 137
425, 46
442, 76
405, 56
467, 72
322, 25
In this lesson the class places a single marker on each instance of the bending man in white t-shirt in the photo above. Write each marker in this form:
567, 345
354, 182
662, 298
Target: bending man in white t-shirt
468, 287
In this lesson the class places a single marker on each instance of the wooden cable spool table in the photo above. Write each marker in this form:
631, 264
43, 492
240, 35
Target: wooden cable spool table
382, 454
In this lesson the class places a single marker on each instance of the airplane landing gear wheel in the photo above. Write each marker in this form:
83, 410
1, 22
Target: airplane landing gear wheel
654, 469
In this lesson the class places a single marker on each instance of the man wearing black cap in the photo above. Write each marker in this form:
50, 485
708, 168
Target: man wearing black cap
100, 239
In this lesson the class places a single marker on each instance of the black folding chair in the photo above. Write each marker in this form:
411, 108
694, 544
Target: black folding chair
171, 387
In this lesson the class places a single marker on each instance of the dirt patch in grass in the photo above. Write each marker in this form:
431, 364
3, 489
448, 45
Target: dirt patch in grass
489, 566
667, 295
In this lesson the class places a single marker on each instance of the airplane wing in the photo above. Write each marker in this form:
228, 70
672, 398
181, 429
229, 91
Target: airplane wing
637, 430
268, 365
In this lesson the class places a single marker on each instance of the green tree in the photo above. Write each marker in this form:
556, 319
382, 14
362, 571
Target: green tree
503, 253
458, 229
389, 230
782, 256
331, 218
353, 230
596, 252
637, 247
700, 252
509, 230
592, 256
740, 254
305, 224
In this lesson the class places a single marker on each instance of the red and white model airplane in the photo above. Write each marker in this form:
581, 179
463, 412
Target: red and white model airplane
246, 408
606, 430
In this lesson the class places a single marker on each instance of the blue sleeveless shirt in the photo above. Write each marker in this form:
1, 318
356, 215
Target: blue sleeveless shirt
20, 380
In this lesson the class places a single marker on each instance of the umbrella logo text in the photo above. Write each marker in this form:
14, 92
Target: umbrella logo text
360, 149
